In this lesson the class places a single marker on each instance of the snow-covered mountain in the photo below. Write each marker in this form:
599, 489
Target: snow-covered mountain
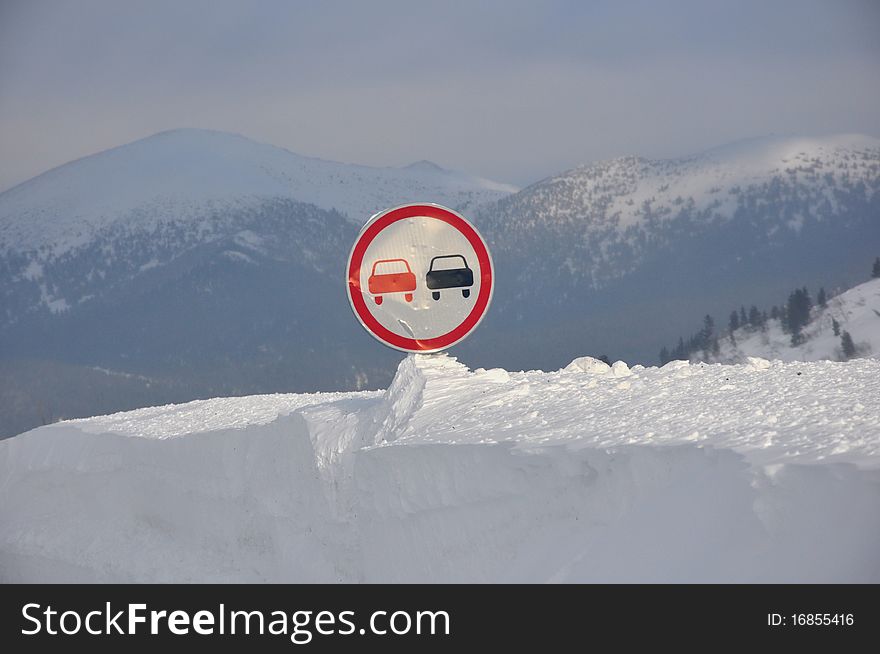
117, 213
185, 175
856, 311
614, 256
605, 219
686, 473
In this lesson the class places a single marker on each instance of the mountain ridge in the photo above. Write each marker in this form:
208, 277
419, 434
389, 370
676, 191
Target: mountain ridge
602, 219
175, 172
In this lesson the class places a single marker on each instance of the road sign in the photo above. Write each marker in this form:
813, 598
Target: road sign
420, 277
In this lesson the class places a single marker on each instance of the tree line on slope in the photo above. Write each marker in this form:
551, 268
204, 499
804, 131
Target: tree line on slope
793, 316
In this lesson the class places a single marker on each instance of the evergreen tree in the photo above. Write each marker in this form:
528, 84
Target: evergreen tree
754, 317
847, 345
716, 347
708, 331
704, 339
835, 326
876, 270
821, 298
798, 314
664, 356
774, 312
743, 318
734, 321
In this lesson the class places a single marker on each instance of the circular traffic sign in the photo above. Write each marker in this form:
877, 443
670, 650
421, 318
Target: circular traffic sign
419, 277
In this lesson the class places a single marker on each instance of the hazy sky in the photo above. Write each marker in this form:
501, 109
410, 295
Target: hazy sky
509, 90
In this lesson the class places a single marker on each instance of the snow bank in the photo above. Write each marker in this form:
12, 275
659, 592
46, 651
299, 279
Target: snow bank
588, 364
685, 473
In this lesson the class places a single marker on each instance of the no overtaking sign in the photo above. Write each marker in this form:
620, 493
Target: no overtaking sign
420, 277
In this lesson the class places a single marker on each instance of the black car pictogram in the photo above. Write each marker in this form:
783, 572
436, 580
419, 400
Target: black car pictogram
459, 277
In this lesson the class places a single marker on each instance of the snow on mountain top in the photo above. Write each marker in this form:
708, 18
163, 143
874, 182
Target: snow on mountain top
771, 151
757, 158
682, 473
625, 191
425, 165
856, 311
188, 172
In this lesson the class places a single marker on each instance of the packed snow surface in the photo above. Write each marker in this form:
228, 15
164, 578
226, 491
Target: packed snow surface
764, 471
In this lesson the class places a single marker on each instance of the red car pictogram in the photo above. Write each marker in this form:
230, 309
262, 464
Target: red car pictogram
395, 282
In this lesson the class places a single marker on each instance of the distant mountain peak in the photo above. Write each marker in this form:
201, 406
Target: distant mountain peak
185, 174
610, 215
764, 153
425, 166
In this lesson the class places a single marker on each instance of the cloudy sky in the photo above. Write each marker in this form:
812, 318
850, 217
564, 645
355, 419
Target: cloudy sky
509, 90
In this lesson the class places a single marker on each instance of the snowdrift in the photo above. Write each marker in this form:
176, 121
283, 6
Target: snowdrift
756, 472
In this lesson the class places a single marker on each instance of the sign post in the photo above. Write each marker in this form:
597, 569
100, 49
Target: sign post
419, 278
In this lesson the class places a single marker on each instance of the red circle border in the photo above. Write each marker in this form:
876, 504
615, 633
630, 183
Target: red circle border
356, 295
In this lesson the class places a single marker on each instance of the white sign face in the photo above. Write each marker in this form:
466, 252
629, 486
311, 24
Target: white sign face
420, 277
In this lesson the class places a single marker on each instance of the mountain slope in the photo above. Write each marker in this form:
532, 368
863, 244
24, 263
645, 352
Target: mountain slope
589, 474
72, 231
184, 175
612, 213
622, 256
856, 311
